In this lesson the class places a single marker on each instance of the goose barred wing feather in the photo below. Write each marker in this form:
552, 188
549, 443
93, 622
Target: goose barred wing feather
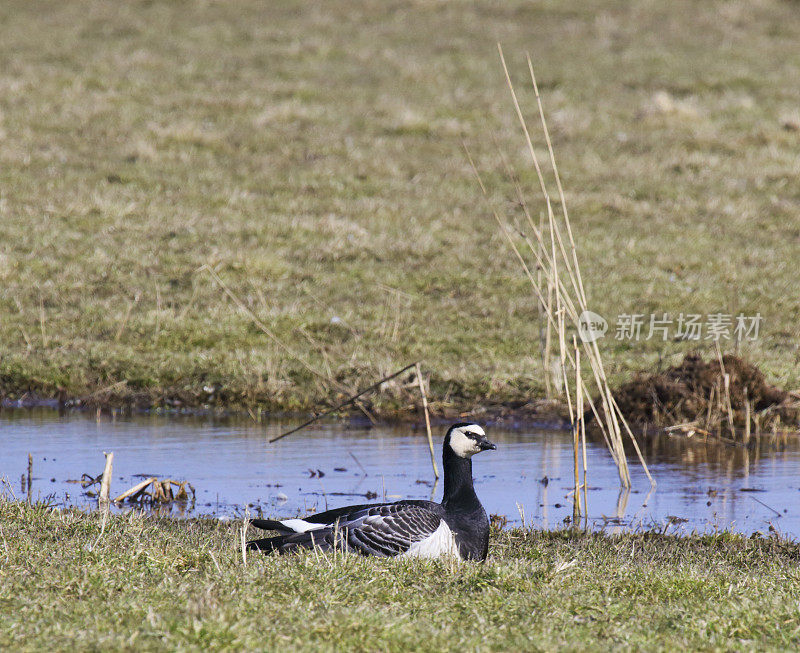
384, 530
390, 529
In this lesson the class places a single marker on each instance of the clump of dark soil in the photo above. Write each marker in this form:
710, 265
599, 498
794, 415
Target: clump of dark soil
695, 391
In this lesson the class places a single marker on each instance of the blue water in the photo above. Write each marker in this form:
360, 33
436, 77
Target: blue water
233, 468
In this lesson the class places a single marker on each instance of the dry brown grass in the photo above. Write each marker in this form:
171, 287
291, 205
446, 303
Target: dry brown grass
311, 156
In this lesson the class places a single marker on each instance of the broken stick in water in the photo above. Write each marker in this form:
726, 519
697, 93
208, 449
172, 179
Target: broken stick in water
344, 403
160, 491
139, 487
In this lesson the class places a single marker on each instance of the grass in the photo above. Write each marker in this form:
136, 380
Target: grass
312, 157
146, 584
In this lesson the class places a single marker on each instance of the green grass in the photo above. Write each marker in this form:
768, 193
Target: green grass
312, 155
155, 584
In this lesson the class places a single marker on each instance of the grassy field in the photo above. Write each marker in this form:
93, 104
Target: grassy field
311, 156
149, 584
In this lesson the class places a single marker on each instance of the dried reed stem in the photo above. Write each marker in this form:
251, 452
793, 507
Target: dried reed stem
556, 286
42, 321
545, 334
105, 484
746, 418
126, 317
263, 327
558, 180
726, 380
557, 261
427, 419
243, 535
576, 504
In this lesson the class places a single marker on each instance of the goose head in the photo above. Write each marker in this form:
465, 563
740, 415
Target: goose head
466, 439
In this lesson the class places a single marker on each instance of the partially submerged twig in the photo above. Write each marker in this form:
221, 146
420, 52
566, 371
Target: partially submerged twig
348, 401
135, 490
358, 463
160, 491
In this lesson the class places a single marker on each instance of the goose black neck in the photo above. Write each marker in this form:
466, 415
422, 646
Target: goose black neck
459, 493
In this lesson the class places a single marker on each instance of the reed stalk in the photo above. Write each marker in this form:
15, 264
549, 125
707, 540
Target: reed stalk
726, 380
105, 484
576, 504
746, 418
559, 288
427, 419
243, 535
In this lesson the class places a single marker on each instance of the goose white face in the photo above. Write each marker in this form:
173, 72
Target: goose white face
465, 440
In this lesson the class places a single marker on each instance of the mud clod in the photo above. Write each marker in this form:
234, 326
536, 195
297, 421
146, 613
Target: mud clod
695, 391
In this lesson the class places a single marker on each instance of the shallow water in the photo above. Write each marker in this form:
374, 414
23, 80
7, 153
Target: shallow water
232, 466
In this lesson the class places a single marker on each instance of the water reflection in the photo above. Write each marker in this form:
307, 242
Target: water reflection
701, 486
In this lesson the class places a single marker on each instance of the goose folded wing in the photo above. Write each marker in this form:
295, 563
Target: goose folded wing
389, 530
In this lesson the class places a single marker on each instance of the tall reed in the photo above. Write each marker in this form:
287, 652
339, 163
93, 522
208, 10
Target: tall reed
559, 288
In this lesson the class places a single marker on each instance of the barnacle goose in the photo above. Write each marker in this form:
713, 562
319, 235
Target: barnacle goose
457, 527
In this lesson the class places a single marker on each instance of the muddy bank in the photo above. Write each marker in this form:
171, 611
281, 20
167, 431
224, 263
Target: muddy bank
510, 402
710, 393
400, 405
694, 391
